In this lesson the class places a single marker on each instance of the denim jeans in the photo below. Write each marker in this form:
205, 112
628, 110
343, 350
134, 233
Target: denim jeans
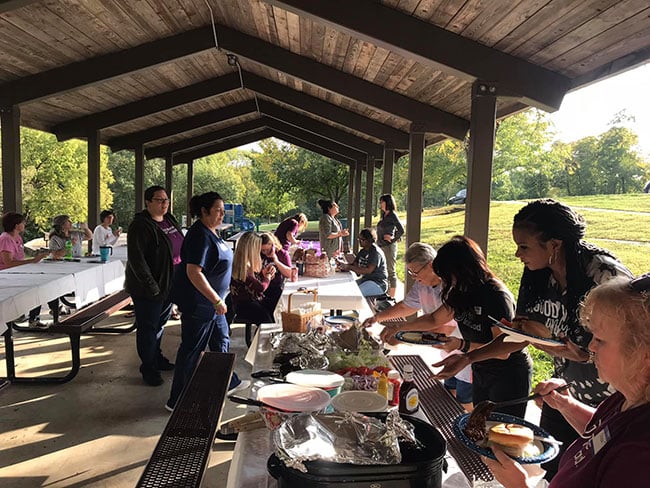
150, 318
371, 289
196, 333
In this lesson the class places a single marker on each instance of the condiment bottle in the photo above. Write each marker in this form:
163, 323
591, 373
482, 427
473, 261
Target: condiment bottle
382, 386
409, 401
394, 383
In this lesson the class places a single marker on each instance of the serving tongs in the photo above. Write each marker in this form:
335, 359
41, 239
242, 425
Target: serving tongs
254, 403
475, 428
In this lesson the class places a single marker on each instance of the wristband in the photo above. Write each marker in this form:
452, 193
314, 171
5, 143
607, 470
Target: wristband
218, 303
465, 345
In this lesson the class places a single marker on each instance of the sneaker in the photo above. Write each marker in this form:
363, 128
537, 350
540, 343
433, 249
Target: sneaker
164, 364
243, 384
168, 408
152, 378
37, 324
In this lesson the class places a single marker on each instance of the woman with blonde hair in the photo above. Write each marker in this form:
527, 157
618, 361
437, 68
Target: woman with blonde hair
250, 280
615, 437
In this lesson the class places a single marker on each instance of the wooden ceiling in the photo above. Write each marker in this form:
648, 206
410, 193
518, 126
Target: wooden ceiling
344, 77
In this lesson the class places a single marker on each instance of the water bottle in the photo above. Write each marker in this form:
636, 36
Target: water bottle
68, 249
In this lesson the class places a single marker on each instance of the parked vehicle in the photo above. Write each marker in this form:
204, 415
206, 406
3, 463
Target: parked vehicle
458, 198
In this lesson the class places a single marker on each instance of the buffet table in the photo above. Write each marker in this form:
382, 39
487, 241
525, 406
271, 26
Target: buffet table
337, 291
253, 448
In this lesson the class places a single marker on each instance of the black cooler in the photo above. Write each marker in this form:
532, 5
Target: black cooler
420, 468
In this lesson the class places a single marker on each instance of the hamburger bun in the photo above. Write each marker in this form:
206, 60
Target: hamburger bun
512, 439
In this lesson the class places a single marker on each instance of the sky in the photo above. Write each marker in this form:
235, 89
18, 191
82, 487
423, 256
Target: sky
588, 111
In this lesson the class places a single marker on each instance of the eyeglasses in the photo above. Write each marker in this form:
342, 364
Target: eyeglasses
641, 284
161, 200
415, 274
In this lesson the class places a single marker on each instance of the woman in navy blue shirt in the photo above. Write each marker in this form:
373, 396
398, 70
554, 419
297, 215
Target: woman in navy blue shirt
199, 288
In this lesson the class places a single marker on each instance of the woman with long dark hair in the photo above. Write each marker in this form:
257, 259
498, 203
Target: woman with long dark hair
560, 269
470, 294
199, 289
389, 232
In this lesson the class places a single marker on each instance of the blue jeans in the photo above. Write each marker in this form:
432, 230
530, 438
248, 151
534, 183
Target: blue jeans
196, 332
150, 318
371, 289
463, 389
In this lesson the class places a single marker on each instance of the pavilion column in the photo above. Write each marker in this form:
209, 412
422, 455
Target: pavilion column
414, 196
354, 240
370, 183
351, 192
12, 194
479, 172
389, 163
190, 189
169, 187
94, 181
139, 177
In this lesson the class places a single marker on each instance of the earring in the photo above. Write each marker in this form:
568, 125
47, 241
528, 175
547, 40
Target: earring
551, 258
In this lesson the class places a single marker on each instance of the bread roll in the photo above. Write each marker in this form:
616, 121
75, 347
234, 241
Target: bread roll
512, 439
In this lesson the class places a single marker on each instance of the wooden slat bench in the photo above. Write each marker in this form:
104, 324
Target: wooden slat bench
441, 408
82, 321
181, 455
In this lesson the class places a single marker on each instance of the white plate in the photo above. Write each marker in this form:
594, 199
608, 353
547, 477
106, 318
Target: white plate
516, 335
317, 378
294, 398
359, 401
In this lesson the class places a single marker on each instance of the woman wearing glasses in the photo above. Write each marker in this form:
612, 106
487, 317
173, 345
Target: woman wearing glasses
154, 248
615, 437
471, 293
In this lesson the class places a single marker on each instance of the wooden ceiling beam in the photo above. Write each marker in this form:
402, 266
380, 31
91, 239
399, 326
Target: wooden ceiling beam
9, 5
221, 146
183, 125
312, 125
148, 106
437, 47
393, 138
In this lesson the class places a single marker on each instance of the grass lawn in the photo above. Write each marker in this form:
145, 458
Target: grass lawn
618, 223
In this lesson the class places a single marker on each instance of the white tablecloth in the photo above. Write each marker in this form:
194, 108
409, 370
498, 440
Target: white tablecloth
337, 291
25, 287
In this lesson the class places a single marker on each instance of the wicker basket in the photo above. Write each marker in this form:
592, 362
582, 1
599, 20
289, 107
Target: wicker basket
295, 322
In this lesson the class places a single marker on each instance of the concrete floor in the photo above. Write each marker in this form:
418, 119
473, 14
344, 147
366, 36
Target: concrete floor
99, 429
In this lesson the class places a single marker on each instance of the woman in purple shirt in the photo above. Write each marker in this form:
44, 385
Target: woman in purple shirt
287, 232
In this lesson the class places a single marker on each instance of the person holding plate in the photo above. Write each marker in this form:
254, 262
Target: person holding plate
560, 268
615, 437
471, 294
425, 295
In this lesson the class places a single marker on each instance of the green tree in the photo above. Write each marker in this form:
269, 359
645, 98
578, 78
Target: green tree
55, 180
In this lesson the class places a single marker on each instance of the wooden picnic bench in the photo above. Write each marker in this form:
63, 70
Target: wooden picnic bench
82, 321
181, 455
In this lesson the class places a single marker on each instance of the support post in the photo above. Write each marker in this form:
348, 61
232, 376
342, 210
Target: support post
414, 196
12, 193
351, 192
94, 181
389, 163
370, 190
479, 171
139, 177
169, 182
354, 238
190, 189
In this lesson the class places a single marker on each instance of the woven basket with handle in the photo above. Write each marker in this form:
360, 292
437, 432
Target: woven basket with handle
296, 322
